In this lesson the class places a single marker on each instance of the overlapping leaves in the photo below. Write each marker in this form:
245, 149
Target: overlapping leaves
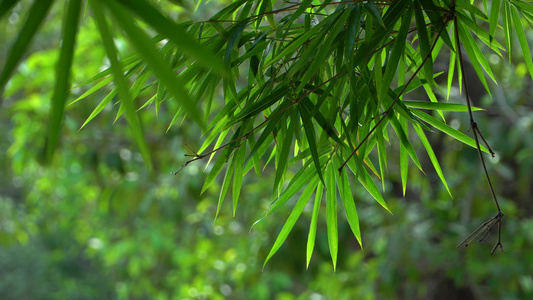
308, 87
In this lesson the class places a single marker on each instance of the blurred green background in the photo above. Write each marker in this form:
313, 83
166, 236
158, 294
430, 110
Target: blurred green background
96, 225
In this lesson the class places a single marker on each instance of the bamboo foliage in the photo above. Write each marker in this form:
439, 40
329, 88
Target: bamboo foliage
311, 85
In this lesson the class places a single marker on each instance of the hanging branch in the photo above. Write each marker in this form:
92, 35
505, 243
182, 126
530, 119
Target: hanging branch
488, 225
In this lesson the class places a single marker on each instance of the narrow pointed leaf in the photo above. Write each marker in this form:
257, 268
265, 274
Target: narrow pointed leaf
155, 60
312, 226
36, 15
331, 214
121, 82
62, 79
431, 155
293, 217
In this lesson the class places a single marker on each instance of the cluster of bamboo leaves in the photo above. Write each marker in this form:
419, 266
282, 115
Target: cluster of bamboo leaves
313, 86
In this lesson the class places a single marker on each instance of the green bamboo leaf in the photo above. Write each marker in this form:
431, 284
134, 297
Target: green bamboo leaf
311, 139
267, 132
176, 117
356, 165
131, 62
372, 9
324, 51
312, 226
522, 39
463, 32
284, 148
404, 158
524, 7
321, 120
226, 11
302, 177
371, 187
175, 33
431, 155
482, 34
234, 38
63, 67
147, 49
397, 51
294, 45
301, 9
310, 50
354, 24
448, 130
293, 217
100, 107
439, 106
435, 15
402, 135
121, 82
147, 103
238, 175
255, 158
5, 6
451, 71
331, 214
508, 28
382, 151
36, 15
473, 52
135, 89
349, 206
262, 104
424, 44
93, 89
225, 186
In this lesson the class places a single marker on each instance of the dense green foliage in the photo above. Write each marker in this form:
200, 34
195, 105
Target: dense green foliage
296, 92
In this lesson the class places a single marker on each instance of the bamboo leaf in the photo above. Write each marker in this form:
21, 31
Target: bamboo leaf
175, 33
5, 6
424, 42
522, 39
311, 139
63, 68
36, 15
293, 217
100, 107
405, 144
238, 176
147, 49
448, 130
349, 206
121, 82
431, 155
331, 214
404, 158
225, 186
439, 106
282, 156
472, 50
312, 226
372, 9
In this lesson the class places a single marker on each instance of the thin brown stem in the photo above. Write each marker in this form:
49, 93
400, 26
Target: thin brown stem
477, 132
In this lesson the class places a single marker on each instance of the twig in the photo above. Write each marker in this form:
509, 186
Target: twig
476, 132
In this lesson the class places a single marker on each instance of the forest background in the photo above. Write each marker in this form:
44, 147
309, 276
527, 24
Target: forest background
96, 224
